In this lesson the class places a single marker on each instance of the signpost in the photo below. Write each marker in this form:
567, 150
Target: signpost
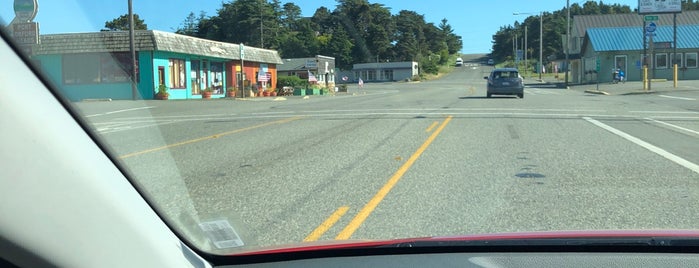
242, 69
650, 31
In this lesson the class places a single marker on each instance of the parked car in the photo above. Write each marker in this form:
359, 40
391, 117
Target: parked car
491, 62
505, 81
459, 62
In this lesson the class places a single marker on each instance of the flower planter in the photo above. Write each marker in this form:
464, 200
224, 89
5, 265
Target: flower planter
266, 94
206, 95
273, 94
230, 94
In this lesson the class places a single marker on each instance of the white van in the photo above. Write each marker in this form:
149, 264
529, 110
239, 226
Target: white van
459, 62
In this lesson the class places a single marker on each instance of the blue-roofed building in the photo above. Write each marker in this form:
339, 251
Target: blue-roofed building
623, 48
618, 40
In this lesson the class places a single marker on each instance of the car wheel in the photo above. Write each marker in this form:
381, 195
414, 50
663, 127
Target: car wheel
521, 96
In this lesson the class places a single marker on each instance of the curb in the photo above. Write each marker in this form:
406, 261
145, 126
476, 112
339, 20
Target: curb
599, 92
639, 92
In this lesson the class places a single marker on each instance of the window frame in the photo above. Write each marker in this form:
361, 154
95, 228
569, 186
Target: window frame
657, 61
182, 69
696, 60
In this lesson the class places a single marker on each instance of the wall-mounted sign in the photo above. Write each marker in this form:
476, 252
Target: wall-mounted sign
311, 64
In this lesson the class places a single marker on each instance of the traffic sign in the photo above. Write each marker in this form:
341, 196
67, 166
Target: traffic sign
242, 51
651, 27
650, 18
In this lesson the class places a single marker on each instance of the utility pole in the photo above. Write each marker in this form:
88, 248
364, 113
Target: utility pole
132, 48
541, 43
567, 49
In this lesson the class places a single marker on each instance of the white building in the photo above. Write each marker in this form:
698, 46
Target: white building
385, 71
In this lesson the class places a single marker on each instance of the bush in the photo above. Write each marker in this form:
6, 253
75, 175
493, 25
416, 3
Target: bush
291, 81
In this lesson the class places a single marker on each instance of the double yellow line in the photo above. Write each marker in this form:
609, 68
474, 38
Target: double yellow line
364, 213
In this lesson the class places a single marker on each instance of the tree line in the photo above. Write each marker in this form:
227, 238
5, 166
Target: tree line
554, 27
355, 31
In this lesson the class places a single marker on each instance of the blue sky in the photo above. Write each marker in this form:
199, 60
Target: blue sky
475, 21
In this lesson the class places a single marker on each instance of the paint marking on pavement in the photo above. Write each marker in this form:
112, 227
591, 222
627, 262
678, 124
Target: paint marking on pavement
381, 194
664, 112
672, 125
674, 158
121, 111
432, 126
326, 225
678, 98
211, 137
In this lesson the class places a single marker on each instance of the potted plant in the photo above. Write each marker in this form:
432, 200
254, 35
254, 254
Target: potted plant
206, 93
230, 92
162, 93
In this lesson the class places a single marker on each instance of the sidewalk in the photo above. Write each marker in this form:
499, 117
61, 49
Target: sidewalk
627, 88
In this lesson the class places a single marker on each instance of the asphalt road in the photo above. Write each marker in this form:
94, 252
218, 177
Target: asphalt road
393, 160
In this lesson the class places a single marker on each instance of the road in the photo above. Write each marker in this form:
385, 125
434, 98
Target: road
393, 160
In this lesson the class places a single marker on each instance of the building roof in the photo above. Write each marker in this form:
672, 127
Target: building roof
631, 38
583, 22
293, 64
149, 40
299, 64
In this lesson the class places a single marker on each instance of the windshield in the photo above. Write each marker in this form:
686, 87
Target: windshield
250, 124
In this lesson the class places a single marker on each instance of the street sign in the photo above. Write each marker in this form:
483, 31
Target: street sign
651, 27
242, 51
650, 18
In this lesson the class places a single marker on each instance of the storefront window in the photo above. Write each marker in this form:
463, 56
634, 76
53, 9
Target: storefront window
661, 61
93, 68
217, 77
177, 74
196, 77
690, 60
676, 59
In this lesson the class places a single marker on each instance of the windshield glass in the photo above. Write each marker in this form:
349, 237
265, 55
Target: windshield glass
255, 123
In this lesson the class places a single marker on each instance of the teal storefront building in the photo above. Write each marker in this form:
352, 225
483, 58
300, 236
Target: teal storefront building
97, 65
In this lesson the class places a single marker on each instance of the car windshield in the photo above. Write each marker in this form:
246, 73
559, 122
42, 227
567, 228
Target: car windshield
256, 124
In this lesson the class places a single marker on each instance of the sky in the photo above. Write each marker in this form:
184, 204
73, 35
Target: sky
474, 21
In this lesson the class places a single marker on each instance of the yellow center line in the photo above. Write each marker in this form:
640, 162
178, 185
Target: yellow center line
381, 194
325, 226
429, 129
210, 137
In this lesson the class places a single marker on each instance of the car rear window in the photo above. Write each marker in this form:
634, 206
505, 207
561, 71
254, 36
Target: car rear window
505, 74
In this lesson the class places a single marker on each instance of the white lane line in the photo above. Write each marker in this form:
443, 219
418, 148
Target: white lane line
671, 125
674, 158
673, 97
121, 111
664, 112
